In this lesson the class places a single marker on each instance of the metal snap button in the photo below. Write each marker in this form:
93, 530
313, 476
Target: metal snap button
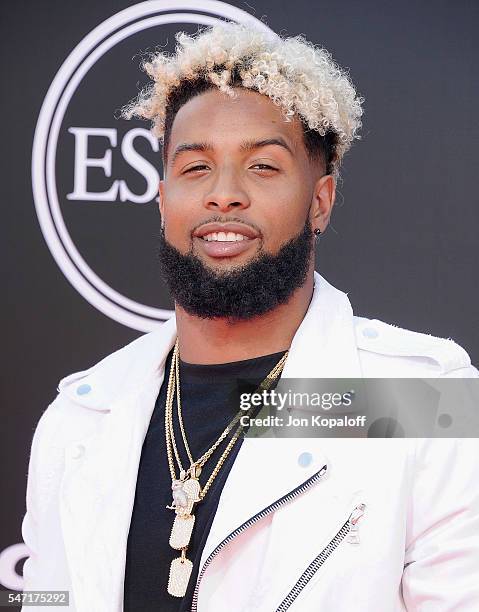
83, 389
305, 459
77, 451
370, 332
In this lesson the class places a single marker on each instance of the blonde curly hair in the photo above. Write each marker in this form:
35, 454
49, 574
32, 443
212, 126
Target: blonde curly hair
296, 75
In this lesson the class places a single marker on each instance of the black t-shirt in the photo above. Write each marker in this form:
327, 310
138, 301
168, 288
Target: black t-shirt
209, 401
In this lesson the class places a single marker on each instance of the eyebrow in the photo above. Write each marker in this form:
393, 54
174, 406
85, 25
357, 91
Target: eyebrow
246, 145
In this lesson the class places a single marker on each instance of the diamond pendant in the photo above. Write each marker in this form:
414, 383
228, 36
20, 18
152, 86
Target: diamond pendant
181, 531
185, 494
180, 572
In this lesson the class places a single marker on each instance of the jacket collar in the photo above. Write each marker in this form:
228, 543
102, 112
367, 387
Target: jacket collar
117, 375
324, 343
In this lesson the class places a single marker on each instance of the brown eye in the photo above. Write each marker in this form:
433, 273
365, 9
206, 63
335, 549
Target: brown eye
199, 167
264, 167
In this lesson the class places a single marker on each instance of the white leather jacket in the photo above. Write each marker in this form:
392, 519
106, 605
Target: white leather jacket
281, 537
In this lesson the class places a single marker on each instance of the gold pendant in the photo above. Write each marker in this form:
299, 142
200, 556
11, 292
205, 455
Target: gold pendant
181, 531
180, 572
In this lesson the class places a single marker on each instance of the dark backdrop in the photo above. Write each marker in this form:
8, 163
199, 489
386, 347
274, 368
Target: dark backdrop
403, 238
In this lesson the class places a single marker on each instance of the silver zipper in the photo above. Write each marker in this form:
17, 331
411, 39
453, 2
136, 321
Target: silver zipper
350, 529
257, 517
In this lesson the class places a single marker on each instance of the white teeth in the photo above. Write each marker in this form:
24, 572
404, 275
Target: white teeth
224, 237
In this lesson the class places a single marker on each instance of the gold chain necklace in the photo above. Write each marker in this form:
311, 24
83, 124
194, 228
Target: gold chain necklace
186, 489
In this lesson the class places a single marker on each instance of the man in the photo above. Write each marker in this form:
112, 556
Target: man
140, 497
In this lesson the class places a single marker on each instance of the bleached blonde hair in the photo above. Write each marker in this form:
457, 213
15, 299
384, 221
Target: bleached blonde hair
296, 75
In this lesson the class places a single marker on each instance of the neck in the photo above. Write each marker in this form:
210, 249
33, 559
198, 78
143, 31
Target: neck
212, 341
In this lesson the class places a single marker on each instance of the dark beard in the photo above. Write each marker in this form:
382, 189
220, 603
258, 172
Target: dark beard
243, 292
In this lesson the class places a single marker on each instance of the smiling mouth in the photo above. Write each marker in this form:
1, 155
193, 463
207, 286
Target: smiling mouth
221, 244
224, 237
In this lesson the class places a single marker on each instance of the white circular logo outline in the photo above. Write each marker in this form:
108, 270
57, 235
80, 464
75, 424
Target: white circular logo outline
106, 35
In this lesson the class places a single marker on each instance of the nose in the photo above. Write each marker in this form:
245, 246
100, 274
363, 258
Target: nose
226, 192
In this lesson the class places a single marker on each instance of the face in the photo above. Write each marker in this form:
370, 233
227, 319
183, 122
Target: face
239, 186
270, 190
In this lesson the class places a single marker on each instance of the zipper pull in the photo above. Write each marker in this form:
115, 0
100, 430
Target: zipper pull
356, 514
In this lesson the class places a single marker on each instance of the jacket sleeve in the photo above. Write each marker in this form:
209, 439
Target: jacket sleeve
441, 571
46, 567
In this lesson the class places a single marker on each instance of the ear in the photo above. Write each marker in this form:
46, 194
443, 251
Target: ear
161, 198
324, 195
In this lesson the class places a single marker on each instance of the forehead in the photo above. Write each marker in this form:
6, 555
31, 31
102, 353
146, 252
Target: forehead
214, 115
